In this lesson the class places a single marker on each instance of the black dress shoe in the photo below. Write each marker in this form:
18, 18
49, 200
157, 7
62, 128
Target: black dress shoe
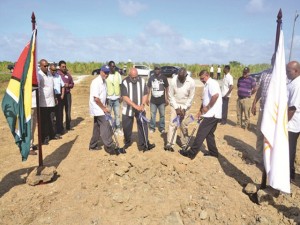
31, 152
34, 147
121, 150
46, 142
168, 147
210, 154
94, 149
150, 146
188, 154
127, 144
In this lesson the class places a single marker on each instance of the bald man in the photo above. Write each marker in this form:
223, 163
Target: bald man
135, 93
293, 87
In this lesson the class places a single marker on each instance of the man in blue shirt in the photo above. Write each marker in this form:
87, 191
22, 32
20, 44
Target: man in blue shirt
246, 87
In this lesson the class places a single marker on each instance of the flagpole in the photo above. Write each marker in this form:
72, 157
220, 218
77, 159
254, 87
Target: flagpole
33, 21
278, 28
279, 22
296, 16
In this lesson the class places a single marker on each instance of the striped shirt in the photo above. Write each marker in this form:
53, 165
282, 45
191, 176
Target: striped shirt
245, 86
264, 82
134, 91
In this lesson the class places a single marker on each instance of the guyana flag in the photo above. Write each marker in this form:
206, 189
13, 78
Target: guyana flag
16, 103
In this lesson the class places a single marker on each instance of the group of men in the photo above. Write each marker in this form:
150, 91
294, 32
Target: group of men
135, 93
54, 96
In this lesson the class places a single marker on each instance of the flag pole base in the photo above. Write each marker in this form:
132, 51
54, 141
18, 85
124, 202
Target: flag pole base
41, 175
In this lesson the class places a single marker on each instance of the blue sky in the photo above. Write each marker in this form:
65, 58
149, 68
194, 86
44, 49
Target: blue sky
156, 31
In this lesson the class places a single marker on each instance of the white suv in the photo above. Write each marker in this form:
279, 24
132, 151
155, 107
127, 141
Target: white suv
142, 70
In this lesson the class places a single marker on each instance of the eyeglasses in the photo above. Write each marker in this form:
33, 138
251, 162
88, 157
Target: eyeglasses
45, 65
106, 73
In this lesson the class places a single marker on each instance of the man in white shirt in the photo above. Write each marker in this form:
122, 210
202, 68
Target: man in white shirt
181, 94
211, 111
211, 71
293, 73
226, 88
99, 110
59, 90
47, 102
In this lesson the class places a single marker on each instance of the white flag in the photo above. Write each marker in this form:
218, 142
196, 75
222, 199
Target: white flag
274, 125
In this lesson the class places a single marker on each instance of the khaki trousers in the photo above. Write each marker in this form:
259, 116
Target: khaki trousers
243, 106
183, 128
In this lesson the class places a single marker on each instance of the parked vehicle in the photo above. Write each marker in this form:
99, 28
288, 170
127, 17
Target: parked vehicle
142, 70
170, 71
256, 76
97, 71
11, 67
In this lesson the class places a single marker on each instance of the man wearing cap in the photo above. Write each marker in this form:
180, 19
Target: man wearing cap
98, 109
246, 87
158, 89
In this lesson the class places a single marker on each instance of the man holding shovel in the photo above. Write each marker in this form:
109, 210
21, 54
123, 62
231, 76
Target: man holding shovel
99, 110
211, 111
181, 94
135, 93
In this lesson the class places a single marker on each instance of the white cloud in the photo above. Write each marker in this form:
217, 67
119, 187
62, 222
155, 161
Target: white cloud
131, 8
255, 6
157, 28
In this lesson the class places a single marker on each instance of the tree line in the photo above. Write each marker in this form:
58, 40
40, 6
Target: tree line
78, 68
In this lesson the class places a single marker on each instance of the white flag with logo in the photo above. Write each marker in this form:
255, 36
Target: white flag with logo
274, 125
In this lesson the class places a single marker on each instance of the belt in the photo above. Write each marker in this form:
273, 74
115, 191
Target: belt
243, 97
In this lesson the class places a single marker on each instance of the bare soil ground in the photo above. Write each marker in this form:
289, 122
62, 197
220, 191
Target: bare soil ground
155, 187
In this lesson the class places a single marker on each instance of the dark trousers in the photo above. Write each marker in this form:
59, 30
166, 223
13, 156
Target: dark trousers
225, 109
293, 137
127, 124
67, 103
59, 114
47, 123
206, 131
101, 130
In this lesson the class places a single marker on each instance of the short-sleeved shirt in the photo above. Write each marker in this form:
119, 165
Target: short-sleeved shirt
135, 92
46, 89
98, 90
67, 78
264, 83
158, 85
211, 88
227, 82
245, 86
58, 83
294, 100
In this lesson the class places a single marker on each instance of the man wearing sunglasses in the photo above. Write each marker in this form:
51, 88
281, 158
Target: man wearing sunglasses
47, 102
